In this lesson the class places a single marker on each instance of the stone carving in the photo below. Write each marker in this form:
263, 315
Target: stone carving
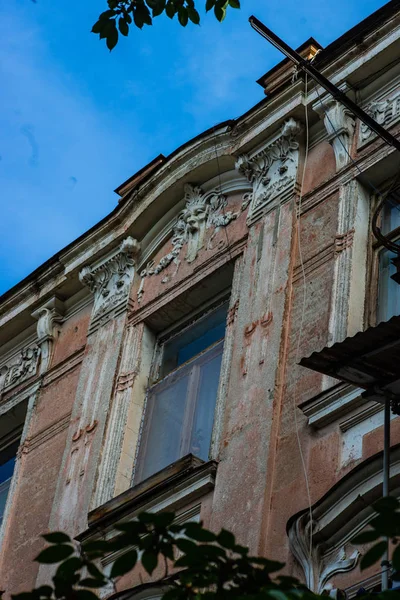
318, 564
202, 211
47, 317
272, 171
110, 281
20, 368
385, 112
339, 123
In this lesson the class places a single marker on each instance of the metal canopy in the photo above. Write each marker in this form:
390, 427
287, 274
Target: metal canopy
369, 359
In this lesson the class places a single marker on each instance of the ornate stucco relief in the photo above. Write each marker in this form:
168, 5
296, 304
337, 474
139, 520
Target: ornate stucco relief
110, 282
271, 171
386, 111
47, 317
20, 367
202, 212
339, 124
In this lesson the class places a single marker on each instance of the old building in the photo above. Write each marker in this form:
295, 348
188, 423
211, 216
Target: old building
153, 363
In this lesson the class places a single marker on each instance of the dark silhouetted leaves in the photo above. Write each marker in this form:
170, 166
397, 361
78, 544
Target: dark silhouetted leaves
124, 564
365, 537
149, 561
56, 537
196, 532
54, 554
123, 26
373, 555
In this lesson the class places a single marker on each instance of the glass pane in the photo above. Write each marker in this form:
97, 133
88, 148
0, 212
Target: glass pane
166, 402
194, 340
7, 469
388, 290
205, 406
391, 212
4, 487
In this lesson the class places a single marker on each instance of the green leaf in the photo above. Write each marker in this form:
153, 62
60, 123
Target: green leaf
209, 5
234, 3
124, 564
194, 15
98, 26
183, 16
159, 8
24, 596
170, 9
123, 26
44, 591
388, 503
68, 568
196, 532
56, 537
112, 35
226, 539
94, 571
149, 561
92, 583
106, 15
84, 595
220, 13
186, 545
163, 520
54, 554
98, 548
365, 537
373, 555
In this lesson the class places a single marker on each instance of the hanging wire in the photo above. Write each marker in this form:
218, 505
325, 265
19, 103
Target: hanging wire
299, 337
384, 197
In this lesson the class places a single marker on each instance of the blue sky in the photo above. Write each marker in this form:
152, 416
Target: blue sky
76, 120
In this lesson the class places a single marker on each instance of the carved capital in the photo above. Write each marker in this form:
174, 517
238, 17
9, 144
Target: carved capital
110, 281
271, 171
47, 316
339, 124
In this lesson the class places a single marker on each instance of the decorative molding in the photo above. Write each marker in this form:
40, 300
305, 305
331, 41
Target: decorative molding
110, 281
21, 367
313, 263
271, 171
332, 404
344, 240
320, 536
47, 316
386, 111
340, 125
44, 435
202, 211
64, 367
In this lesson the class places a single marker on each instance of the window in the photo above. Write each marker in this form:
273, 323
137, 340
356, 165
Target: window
180, 406
8, 454
388, 289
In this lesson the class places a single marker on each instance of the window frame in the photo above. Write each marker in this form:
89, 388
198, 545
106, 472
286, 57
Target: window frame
155, 382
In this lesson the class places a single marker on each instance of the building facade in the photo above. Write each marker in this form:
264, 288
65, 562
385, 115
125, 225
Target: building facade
153, 363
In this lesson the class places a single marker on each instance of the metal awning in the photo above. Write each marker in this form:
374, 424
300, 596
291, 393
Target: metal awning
370, 359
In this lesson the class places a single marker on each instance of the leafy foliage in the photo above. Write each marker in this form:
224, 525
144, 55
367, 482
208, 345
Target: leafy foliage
121, 14
196, 563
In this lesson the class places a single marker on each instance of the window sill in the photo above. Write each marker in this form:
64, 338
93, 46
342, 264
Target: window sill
335, 403
176, 486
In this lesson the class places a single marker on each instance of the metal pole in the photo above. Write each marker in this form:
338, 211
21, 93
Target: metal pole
323, 82
386, 476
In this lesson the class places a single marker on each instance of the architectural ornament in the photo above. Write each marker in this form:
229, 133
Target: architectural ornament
110, 281
272, 171
385, 112
340, 124
19, 368
202, 211
47, 317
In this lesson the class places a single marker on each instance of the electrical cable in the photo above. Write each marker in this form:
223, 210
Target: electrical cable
299, 337
384, 198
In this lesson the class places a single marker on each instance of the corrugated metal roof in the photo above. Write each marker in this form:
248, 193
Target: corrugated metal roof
368, 358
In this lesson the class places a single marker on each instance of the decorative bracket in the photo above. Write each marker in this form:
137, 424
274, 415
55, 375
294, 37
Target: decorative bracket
110, 281
271, 171
340, 124
47, 316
